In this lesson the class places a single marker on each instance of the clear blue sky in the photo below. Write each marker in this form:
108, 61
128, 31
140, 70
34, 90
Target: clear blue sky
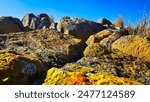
88, 9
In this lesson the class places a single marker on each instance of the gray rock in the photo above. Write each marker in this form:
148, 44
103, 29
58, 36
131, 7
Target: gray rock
30, 20
53, 26
10, 24
78, 27
105, 22
17, 22
40, 16
37, 22
44, 22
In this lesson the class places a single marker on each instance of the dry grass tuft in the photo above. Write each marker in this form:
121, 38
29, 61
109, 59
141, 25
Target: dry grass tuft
120, 23
141, 26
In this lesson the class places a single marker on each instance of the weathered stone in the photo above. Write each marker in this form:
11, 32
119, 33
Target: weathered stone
19, 69
133, 45
40, 16
37, 22
99, 36
106, 37
53, 26
54, 48
100, 56
115, 62
78, 27
44, 23
105, 22
58, 77
9, 25
30, 20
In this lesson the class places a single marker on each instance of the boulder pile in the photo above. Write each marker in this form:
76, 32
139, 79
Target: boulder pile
73, 51
37, 22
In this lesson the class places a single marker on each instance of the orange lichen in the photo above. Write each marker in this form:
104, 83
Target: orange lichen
58, 77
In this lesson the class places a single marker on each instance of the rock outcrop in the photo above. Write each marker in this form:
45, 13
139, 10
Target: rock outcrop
78, 27
114, 62
10, 24
37, 22
73, 52
54, 48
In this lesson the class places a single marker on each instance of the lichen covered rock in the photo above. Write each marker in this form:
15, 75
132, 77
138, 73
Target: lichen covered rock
103, 78
130, 60
58, 77
18, 69
106, 37
54, 48
113, 62
99, 36
134, 45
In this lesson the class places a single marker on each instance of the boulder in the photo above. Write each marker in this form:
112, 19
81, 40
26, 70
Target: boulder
19, 69
37, 22
44, 23
31, 21
53, 26
96, 38
134, 45
17, 22
40, 16
105, 22
10, 24
106, 37
57, 76
78, 27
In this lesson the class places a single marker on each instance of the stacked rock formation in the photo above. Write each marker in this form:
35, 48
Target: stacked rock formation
37, 22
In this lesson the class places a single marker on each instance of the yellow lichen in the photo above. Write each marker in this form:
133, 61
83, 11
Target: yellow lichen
98, 37
58, 77
133, 45
14, 68
102, 78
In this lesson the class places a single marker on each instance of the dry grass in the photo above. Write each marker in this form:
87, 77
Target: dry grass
141, 26
119, 23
